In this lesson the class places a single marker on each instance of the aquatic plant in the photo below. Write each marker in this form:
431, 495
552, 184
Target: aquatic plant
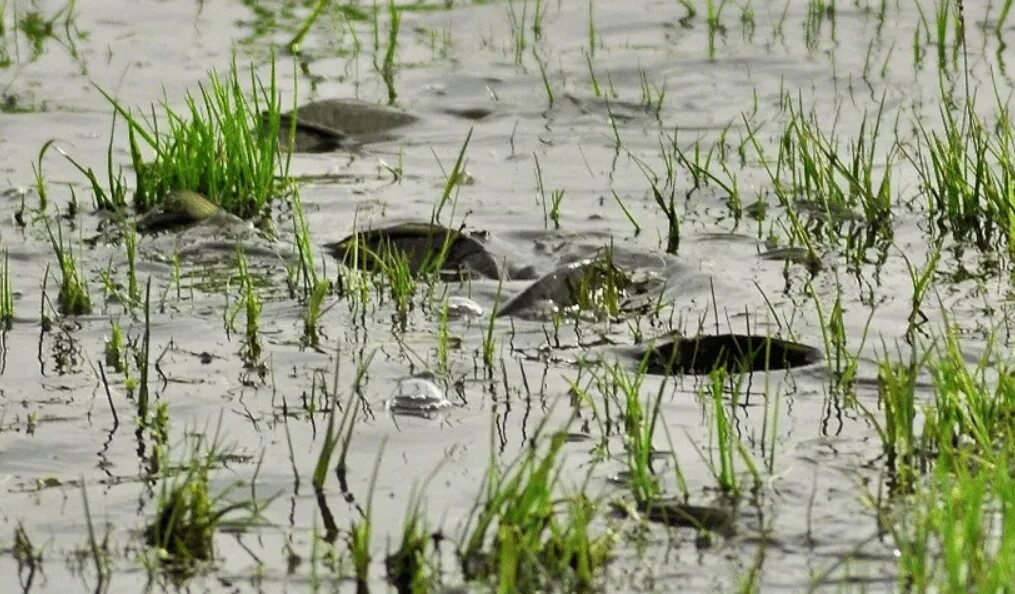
142, 358
664, 195
519, 41
842, 359
387, 67
113, 196
810, 177
967, 169
38, 28
313, 312
408, 567
115, 348
6, 294
901, 443
303, 272
335, 436
73, 298
188, 514
948, 461
627, 213
518, 534
452, 182
443, 337
223, 145
98, 551
556, 197
130, 245
28, 557
726, 442
726, 476
489, 341
251, 304
40, 179
640, 420
544, 76
361, 530
958, 532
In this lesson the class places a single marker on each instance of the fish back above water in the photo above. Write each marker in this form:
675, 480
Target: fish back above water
424, 247
593, 286
178, 208
332, 123
734, 353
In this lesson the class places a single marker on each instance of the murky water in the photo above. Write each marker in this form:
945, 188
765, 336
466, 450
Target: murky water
616, 98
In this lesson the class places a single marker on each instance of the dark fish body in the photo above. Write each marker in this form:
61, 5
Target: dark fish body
734, 353
424, 247
578, 284
333, 123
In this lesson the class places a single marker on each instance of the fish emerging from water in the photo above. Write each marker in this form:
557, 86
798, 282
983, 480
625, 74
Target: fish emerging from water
421, 247
331, 124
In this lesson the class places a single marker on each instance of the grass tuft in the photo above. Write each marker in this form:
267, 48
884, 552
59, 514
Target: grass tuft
223, 145
6, 295
73, 298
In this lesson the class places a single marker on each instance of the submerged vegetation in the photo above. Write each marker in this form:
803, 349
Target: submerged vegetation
633, 326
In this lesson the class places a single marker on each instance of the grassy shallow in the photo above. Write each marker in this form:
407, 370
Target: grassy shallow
677, 316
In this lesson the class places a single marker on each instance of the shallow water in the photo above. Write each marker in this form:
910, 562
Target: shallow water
809, 525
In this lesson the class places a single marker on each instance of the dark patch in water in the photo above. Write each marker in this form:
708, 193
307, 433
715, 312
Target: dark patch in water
735, 353
470, 113
423, 246
673, 512
330, 124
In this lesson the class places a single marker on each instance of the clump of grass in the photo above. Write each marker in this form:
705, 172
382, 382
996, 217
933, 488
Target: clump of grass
948, 463
188, 513
957, 529
115, 348
112, 197
525, 537
387, 68
224, 145
900, 440
664, 193
361, 530
312, 313
73, 298
337, 436
408, 568
130, 245
304, 273
27, 555
810, 176
726, 476
726, 442
968, 171
251, 304
37, 28
640, 420
40, 179
603, 287
958, 533
843, 362
6, 295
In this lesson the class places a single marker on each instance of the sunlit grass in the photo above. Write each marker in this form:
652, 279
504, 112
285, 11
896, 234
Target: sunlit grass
521, 536
224, 145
